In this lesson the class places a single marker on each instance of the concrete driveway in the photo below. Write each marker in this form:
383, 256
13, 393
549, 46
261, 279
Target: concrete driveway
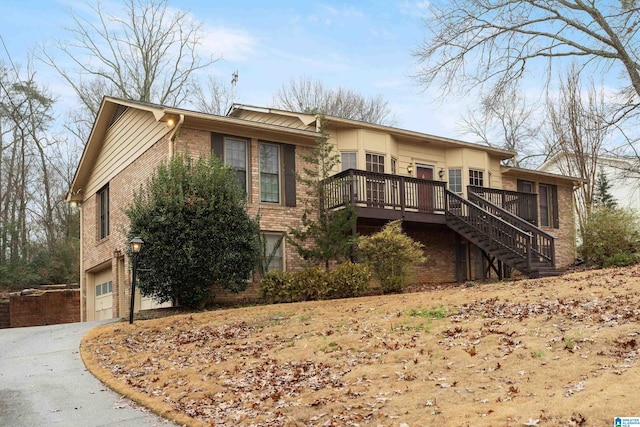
43, 382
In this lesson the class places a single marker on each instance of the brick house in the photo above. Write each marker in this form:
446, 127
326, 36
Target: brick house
475, 216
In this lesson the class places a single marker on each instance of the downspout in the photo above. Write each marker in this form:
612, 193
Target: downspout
173, 135
83, 280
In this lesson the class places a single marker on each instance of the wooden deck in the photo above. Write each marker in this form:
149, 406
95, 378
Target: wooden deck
500, 222
385, 196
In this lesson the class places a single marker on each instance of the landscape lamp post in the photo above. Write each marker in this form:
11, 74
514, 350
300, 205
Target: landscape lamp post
136, 244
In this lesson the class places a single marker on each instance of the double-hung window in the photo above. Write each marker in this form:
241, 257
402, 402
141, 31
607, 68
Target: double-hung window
348, 161
235, 155
455, 180
269, 173
103, 212
274, 251
549, 209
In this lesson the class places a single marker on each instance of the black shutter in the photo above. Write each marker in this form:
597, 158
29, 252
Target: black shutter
289, 174
217, 145
554, 204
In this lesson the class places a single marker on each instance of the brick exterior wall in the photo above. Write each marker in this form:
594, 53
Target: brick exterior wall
565, 243
100, 254
47, 308
5, 320
439, 243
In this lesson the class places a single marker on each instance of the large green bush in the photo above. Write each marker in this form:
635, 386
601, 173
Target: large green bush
196, 230
610, 237
315, 283
390, 254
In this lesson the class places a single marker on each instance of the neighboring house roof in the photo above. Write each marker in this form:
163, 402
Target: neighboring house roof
236, 110
620, 162
537, 174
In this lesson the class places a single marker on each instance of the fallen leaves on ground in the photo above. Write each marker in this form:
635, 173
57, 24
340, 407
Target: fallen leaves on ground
546, 352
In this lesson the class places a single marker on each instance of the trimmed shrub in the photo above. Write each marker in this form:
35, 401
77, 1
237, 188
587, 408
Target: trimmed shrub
311, 283
277, 286
390, 254
315, 283
348, 280
610, 237
621, 260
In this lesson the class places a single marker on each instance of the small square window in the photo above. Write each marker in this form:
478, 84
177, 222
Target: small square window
476, 178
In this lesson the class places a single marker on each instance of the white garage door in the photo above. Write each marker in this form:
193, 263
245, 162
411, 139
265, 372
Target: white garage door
103, 295
148, 303
104, 300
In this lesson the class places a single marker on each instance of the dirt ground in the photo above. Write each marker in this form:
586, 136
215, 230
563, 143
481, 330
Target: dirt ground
547, 352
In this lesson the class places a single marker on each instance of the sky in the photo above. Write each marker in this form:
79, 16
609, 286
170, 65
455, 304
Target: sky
361, 45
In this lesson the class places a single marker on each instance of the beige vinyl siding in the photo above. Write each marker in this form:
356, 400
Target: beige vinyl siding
130, 136
274, 119
425, 154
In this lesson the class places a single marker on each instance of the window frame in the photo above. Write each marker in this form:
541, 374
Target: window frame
451, 184
227, 160
371, 165
269, 247
345, 165
263, 174
553, 208
103, 212
476, 177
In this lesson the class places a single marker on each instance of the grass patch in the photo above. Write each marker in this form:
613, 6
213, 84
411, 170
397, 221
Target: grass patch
435, 312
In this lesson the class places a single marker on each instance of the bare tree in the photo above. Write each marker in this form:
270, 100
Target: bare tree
32, 185
577, 134
506, 121
148, 53
216, 98
306, 95
477, 42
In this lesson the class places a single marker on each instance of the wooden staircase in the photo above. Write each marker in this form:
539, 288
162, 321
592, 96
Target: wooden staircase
500, 234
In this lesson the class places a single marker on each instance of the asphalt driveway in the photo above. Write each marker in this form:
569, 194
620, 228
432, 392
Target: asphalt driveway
43, 382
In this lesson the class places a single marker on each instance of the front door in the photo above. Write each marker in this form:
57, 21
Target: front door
425, 189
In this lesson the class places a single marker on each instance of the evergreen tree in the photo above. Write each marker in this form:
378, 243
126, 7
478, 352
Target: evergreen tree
196, 230
603, 196
325, 235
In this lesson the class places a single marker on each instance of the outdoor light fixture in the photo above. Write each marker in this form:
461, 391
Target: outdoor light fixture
136, 245
170, 123
410, 169
441, 173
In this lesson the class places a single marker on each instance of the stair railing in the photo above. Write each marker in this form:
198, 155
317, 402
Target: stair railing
543, 244
498, 232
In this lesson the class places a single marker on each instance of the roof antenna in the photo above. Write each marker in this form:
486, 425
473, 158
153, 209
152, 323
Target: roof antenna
234, 78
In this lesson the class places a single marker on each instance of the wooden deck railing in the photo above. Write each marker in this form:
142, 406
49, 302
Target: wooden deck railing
497, 233
522, 205
543, 244
386, 191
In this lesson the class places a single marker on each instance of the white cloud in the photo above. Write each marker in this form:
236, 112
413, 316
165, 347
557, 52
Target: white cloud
228, 43
414, 8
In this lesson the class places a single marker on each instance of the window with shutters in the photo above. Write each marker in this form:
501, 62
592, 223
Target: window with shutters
269, 173
103, 212
235, 155
548, 202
